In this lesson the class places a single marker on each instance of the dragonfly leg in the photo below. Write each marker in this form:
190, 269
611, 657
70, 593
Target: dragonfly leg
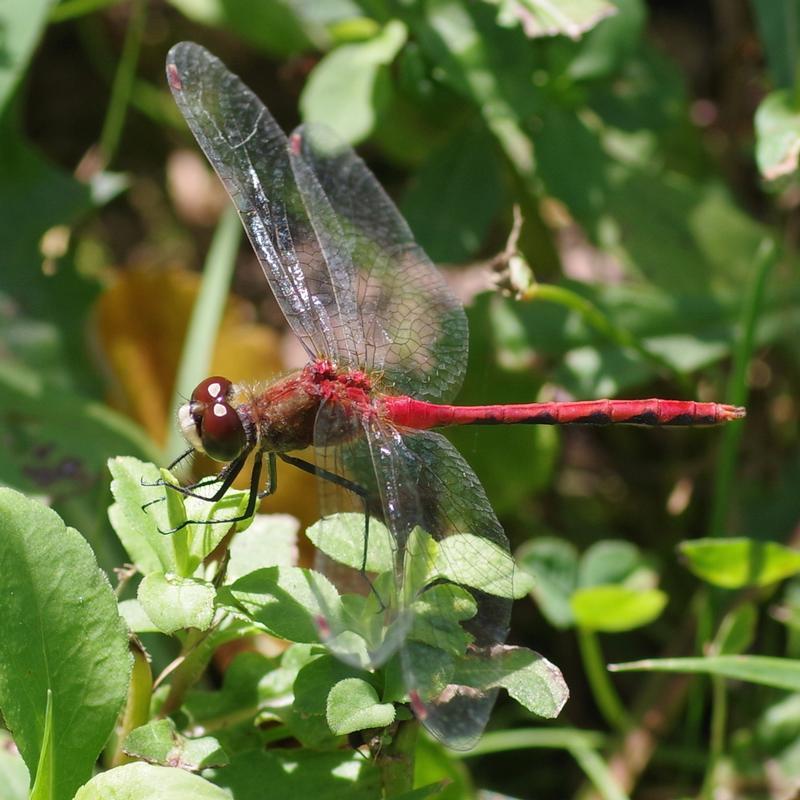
255, 477
161, 481
355, 488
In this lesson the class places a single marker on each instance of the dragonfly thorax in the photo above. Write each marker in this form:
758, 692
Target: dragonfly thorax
210, 423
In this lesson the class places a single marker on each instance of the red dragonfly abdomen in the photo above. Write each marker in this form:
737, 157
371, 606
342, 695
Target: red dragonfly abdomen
411, 413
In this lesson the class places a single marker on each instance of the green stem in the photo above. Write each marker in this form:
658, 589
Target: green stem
603, 325
719, 717
596, 770
197, 650
77, 8
605, 695
202, 332
396, 761
737, 385
123, 82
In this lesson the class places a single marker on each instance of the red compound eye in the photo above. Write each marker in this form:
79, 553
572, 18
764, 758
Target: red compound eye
222, 432
211, 390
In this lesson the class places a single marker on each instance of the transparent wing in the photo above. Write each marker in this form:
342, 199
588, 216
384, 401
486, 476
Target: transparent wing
414, 329
340, 259
440, 573
306, 265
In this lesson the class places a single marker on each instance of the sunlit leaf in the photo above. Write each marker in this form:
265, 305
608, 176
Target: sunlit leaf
736, 562
159, 742
353, 706
543, 18
554, 566
174, 603
614, 608
777, 124
341, 537
141, 781
79, 654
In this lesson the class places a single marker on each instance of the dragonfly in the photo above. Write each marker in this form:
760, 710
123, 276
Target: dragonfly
386, 341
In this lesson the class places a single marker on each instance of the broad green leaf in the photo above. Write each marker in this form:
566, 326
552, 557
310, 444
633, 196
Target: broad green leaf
287, 602
22, 25
777, 123
614, 608
347, 88
138, 529
433, 762
173, 603
463, 176
570, 18
159, 742
780, 673
341, 537
140, 781
135, 617
554, 565
437, 616
353, 706
737, 562
271, 541
62, 634
289, 774
528, 677
14, 775
469, 560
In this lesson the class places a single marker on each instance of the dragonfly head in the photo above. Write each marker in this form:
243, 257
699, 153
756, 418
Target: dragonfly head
210, 423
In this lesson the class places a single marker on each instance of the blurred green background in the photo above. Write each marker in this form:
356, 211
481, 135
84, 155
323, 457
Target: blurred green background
652, 151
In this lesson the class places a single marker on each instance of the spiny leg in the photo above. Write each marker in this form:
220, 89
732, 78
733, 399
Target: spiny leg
161, 481
355, 488
255, 477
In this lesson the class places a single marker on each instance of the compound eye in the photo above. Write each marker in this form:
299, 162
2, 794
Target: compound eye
212, 390
223, 435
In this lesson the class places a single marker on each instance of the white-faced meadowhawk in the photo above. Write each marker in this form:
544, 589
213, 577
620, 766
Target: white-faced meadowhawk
387, 348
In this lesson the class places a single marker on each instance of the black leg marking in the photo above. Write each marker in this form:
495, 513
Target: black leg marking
160, 481
255, 477
355, 488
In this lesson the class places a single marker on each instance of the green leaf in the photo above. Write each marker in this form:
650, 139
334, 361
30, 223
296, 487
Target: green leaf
353, 706
779, 30
347, 88
463, 176
22, 25
777, 124
45, 769
135, 617
341, 537
271, 541
159, 742
737, 562
146, 782
737, 630
554, 565
276, 27
289, 774
14, 777
537, 18
438, 613
780, 673
613, 561
616, 608
528, 677
62, 634
287, 601
469, 560
173, 603
138, 529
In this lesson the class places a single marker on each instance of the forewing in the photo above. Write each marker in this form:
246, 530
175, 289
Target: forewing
306, 264
444, 601
413, 329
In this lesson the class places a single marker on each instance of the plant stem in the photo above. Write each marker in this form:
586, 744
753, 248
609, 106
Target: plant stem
197, 650
605, 695
208, 308
601, 323
737, 385
396, 761
595, 768
719, 717
123, 82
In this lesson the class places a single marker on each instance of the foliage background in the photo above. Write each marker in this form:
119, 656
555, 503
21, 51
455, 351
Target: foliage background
653, 158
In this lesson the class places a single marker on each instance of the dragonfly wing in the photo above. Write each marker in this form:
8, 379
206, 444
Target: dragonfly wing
313, 280
413, 328
438, 562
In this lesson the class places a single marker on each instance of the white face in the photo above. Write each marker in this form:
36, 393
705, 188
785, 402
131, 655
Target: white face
188, 428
